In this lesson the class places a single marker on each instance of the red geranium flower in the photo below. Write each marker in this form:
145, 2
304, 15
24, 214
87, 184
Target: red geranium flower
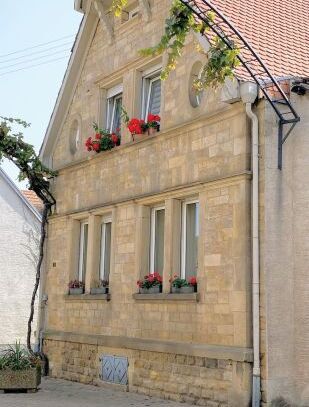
134, 126
96, 146
153, 118
114, 138
192, 281
98, 136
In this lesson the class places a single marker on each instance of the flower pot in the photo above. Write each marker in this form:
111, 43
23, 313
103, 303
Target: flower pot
175, 290
187, 289
183, 290
99, 290
76, 291
152, 131
152, 290
20, 379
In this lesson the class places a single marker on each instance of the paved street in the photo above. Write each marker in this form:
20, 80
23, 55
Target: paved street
61, 393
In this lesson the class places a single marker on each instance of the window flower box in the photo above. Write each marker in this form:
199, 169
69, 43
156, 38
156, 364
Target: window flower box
140, 129
152, 290
76, 287
151, 284
102, 288
183, 286
183, 290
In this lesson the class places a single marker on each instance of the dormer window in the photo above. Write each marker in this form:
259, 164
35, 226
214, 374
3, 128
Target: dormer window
114, 105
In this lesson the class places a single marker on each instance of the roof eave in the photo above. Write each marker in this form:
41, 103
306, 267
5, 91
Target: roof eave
69, 83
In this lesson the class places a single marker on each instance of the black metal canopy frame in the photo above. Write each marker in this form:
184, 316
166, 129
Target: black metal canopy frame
252, 65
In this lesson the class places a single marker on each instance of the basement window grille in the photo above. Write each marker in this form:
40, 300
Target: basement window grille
114, 369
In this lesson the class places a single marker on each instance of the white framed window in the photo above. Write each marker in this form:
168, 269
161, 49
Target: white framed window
151, 100
114, 105
157, 239
189, 238
105, 249
83, 245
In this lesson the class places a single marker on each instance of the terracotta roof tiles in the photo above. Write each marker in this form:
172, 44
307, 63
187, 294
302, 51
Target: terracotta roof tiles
33, 199
278, 30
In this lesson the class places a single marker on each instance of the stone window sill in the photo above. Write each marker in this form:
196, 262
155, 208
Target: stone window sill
87, 297
192, 297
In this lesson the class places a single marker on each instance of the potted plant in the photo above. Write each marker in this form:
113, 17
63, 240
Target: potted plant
137, 128
76, 287
153, 123
103, 140
19, 370
151, 284
183, 286
102, 288
140, 129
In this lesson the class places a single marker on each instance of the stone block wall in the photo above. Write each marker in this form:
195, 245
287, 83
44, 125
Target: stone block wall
203, 381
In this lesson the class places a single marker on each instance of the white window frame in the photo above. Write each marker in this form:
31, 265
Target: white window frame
149, 76
114, 93
184, 234
153, 235
81, 250
105, 221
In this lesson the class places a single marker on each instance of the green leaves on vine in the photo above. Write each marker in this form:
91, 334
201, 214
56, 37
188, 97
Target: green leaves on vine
221, 59
221, 62
117, 6
22, 154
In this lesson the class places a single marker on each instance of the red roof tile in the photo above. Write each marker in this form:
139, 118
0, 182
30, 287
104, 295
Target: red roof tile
33, 199
278, 30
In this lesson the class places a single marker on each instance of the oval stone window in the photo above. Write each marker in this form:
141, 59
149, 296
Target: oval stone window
74, 136
195, 96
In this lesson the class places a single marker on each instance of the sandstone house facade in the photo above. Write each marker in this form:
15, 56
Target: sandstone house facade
176, 202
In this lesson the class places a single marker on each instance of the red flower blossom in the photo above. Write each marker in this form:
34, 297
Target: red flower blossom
96, 146
192, 281
114, 138
153, 118
134, 126
98, 136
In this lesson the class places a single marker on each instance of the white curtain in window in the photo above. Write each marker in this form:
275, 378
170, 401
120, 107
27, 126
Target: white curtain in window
155, 97
106, 231
83, 251
159, 241
192, 234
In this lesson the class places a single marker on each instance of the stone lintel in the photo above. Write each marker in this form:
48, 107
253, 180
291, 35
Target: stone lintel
237, 354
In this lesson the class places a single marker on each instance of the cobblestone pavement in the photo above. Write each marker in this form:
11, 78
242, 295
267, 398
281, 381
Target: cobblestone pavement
62, 393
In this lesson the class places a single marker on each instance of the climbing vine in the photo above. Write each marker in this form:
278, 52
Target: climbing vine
221, 60
14, 148
22, 154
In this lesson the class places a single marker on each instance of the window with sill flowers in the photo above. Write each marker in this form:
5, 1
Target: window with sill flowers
102, 140
150, 284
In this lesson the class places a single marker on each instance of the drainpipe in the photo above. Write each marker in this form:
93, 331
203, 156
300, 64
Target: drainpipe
248, 93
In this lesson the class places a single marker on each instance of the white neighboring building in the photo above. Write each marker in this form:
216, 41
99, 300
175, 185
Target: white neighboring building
19, 234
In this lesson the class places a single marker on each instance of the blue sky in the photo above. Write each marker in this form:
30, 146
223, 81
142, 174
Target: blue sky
30, 94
